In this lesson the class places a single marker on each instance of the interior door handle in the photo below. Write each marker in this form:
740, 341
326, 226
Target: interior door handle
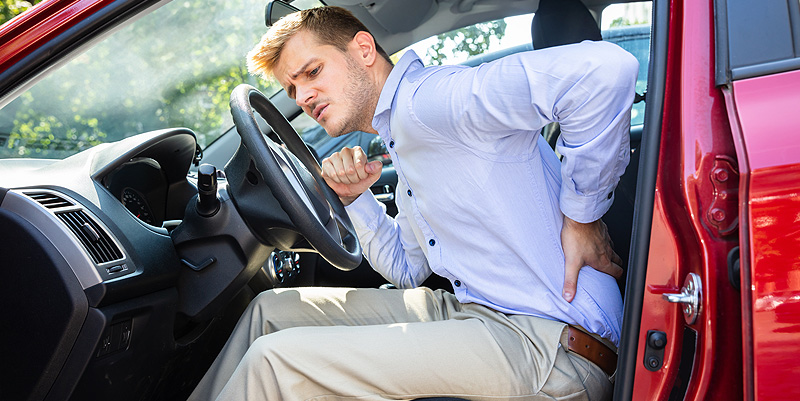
385, 197
690, 296
384, 194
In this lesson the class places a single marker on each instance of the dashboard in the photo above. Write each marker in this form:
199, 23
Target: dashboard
141, 186
90, 267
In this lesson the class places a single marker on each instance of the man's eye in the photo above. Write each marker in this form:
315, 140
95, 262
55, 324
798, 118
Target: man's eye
313, 72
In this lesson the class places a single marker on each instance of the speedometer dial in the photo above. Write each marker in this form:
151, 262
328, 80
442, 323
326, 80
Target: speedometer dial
135, 202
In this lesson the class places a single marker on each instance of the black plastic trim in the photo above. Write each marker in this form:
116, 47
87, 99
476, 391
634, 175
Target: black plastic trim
794, 20
721, 53
79, 356
645, 199
749, 66
765, 69
44, 309
76, 36
686, 366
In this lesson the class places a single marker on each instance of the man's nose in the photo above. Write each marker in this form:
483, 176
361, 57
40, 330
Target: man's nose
305, 96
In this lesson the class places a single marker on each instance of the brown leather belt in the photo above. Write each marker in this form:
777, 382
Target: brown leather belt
592, 349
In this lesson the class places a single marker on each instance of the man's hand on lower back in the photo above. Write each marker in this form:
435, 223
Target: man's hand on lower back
586, 244
348, 173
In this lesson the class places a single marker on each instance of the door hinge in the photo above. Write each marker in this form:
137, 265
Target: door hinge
723, 212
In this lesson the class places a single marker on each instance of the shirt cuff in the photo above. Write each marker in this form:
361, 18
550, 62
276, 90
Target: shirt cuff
586, 208
365, 212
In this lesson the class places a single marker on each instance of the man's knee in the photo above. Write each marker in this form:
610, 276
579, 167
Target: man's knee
274, 306
267, 349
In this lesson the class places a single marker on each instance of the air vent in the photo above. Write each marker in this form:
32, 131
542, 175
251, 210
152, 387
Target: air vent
49, 200
94, 238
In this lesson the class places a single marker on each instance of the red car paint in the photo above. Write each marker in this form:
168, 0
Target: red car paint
34, 28
768, 120
695, 144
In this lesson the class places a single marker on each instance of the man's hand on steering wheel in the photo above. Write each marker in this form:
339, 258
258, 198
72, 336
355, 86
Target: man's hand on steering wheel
586, 245
349, 174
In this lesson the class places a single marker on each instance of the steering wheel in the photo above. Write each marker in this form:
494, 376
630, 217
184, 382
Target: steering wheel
291, 175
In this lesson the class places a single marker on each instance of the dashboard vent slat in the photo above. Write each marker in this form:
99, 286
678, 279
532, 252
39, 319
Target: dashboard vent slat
103, 249
49, 200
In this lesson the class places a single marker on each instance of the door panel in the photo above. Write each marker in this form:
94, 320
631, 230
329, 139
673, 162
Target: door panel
766, 111
694, 225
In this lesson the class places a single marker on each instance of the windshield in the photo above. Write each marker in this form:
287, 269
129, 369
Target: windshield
175, 67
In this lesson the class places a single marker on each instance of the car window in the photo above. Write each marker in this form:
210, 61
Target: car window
457, 46
628, 25
174, 67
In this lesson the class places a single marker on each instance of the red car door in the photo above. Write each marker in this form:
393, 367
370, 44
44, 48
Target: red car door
689, 338
726, 208
762, 97
766, 112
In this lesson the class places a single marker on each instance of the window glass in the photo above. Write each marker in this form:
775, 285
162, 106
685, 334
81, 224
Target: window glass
175, 67
452, 47
628, 25
458, 45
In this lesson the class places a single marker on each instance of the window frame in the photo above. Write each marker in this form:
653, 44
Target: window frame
738, 31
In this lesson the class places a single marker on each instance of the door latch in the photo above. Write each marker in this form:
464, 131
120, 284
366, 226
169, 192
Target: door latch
690, 296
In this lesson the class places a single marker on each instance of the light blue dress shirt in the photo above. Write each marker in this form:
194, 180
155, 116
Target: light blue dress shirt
480, 194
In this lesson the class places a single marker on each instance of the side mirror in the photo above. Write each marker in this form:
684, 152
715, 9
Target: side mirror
277, 10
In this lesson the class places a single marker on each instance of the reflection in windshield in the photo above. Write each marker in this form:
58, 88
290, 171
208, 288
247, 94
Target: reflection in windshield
176, 67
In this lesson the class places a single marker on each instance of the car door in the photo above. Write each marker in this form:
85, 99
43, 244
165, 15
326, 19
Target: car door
760, 70
682, 326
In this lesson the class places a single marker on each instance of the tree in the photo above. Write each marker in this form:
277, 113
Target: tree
174, 68
471, 41
11, 8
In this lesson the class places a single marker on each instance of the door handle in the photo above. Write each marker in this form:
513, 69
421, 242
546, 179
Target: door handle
690, 296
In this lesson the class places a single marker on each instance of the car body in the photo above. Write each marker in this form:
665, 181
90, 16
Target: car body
712, 295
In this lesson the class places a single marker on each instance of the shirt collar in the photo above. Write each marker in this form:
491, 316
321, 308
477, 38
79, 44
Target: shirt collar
409, 62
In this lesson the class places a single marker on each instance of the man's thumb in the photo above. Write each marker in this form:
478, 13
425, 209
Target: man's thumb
373, 167
570, 281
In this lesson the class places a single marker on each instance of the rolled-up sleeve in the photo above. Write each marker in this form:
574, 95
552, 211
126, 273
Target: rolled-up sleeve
595, 135
587, 88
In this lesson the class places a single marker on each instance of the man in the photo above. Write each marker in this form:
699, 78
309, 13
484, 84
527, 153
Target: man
489, 220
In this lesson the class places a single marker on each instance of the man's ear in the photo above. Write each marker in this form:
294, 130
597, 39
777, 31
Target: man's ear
363, 44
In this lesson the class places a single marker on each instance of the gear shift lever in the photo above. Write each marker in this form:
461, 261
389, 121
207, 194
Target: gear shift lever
207, 202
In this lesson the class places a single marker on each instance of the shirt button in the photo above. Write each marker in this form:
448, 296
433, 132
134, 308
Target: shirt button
457, 283
432, 242
391, 144
409, 192
610, 194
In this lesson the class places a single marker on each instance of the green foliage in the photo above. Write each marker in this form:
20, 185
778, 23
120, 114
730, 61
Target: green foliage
11, 8
471, 40
623, 21
176, 67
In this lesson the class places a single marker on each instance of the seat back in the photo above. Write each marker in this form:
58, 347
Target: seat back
561, 22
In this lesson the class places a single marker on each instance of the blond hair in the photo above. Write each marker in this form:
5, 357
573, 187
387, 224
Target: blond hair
333, 26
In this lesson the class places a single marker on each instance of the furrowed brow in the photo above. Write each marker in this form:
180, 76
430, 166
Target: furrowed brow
300, 70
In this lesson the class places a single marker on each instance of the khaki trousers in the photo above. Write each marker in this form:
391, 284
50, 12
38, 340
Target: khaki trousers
371, 344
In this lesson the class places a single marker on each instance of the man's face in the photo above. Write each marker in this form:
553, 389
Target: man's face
328, 84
